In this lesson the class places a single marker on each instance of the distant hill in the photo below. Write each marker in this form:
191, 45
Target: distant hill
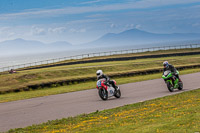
20, 43
60, 46
138, 37
21, 46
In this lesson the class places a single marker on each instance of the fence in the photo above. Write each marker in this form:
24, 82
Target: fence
89, 55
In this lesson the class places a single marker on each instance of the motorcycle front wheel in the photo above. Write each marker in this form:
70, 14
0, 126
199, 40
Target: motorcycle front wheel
118, 93
103, 94
170, 87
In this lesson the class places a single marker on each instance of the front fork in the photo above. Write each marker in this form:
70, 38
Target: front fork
175, 84
170, 81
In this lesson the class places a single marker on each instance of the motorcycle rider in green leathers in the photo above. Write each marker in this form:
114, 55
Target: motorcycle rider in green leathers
169, 67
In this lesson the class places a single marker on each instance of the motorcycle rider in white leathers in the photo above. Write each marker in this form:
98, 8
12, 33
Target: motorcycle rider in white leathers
100, 75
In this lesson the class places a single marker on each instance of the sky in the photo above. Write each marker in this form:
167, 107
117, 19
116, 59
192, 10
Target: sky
82, 21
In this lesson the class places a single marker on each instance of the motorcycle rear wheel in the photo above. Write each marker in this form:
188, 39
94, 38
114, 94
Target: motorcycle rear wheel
103, 94
180, 85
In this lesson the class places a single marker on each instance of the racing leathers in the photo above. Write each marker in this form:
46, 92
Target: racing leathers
108, 80
173, 70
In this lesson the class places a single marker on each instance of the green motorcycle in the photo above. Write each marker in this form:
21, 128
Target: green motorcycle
169, 78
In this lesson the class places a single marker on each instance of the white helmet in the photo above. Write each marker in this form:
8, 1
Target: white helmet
99, 73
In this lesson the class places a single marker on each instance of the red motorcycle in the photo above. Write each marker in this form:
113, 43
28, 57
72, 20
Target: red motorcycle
106, 90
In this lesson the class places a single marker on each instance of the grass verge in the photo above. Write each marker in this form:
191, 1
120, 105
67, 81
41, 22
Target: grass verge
77, 87
23, 79
177, 113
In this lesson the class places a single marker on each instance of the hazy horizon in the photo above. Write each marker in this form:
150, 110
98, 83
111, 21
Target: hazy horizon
92, 40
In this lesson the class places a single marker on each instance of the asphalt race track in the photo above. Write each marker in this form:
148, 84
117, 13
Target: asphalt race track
24, 113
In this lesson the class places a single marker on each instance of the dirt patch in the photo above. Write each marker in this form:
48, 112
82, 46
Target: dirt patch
27, 76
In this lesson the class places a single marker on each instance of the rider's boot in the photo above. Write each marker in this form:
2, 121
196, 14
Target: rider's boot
115, 87
173, 80
178, 78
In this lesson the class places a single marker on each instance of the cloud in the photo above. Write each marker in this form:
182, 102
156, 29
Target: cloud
42, 31
37, 31
57, 30
96, 16
91, 2
84, 21
3, 29
129, 26
138, 26
113, 25
77, 30
174, 28
133, 26
142, 4
6, 31
196, 24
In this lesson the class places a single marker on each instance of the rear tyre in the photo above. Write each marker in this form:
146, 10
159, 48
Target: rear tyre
170, 87
103, 94
118, 93
180, 85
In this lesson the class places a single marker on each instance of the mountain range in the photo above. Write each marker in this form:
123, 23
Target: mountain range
133, 37
138, 37
21, 46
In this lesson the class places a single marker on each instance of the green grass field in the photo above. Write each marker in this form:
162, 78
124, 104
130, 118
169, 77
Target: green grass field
178, 113
45, 75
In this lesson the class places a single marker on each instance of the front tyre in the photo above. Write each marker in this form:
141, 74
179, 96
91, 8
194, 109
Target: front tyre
118, 93
170, 87
180, 85
103, 94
